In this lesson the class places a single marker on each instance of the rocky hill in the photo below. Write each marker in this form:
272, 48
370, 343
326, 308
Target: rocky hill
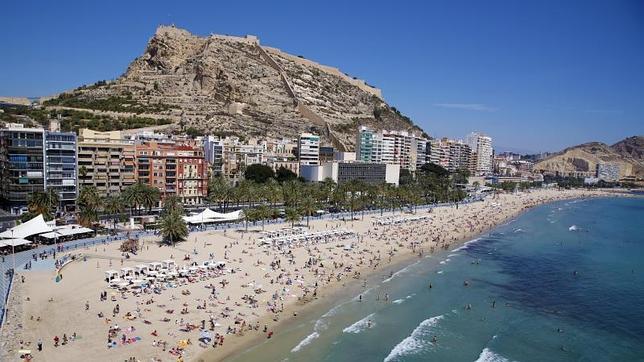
233, 85
582, 160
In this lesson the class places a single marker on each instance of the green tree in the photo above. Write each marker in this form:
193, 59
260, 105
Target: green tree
89, 203
292, 215
220, 190
308, 207
258, 173
114, 206
283, 174
45, 203
173, 227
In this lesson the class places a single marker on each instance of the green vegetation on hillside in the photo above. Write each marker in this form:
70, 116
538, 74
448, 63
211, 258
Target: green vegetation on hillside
74, 120
112, 103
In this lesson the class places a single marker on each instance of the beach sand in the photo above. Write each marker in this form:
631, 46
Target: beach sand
41, 308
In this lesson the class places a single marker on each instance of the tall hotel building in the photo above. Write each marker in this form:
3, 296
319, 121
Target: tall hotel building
309, 149
482, 146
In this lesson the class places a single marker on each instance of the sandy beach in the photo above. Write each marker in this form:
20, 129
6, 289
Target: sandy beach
248, 299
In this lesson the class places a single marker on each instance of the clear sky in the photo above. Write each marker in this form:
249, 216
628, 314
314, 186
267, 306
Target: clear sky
535, 75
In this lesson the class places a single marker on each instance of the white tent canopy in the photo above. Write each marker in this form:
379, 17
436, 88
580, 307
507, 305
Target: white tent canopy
208, 215
32, 227
13, 242
67, 230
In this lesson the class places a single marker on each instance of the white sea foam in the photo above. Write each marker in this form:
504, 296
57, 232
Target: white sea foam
439, 272
401, 300
488, 356
360, 325
573, 228
401, 271
466, 245
305, 341
415, 342
518, 230
319, 326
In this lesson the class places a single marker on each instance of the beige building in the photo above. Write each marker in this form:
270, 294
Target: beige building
105, 160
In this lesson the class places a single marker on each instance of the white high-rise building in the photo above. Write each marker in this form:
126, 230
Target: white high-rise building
309, 149
482, 146
391, 147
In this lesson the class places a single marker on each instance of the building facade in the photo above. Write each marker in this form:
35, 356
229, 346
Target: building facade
106, 161
482, 146
21, 165
61, 165
309, 149
342, 172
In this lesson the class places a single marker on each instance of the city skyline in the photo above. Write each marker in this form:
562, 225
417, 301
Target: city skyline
559, 78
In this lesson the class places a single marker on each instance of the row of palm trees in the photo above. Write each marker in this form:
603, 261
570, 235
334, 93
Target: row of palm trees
298, 199
304, 199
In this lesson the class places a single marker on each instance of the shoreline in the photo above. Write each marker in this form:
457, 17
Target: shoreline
338, 292
61, 304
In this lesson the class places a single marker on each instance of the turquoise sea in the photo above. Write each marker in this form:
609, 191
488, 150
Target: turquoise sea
562, 282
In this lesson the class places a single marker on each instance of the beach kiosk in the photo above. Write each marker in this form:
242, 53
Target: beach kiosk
111, 275
168, 264
141, 270
127, 273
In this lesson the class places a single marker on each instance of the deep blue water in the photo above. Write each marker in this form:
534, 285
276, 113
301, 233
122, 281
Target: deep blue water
566, 281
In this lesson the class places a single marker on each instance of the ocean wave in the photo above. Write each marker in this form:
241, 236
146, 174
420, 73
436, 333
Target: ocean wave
519, 230
488, 356
360, 325
305, 341
439, 272
401, 271
319, 326
415, 342
466, 245
401, 300
573, 228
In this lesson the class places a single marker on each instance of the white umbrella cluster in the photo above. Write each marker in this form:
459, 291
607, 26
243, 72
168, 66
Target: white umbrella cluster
307, 238
390, 220
145, 274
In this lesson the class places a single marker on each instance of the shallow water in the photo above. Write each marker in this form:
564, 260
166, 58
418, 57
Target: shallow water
560, 293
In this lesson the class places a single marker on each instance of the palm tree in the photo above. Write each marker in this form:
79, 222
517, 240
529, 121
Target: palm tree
273, 194
44, 203
292, 215
308, 207
264, 212
114, 206
150, 197
88, 205
219, 190
173, 227
172, 204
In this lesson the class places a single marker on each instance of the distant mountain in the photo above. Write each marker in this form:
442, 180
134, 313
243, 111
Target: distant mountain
582, 160
233, 85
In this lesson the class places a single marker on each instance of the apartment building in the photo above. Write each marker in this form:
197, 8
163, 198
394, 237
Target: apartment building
21, 165
175, 170
309, 149
482, 146
61, 164
106, 160
391, 147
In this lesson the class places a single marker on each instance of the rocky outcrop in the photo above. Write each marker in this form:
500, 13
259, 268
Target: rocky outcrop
582, 160
233, 85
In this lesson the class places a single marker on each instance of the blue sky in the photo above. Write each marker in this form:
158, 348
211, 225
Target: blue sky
536, 76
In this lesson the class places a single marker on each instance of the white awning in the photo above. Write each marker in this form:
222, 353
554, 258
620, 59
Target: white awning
32, 227
14, 242
67, 230
208, 215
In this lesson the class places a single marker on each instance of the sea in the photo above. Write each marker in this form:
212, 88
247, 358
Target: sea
561, 282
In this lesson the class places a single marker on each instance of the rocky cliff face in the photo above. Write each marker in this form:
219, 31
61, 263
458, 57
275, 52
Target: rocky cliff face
584, 158
232, 85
